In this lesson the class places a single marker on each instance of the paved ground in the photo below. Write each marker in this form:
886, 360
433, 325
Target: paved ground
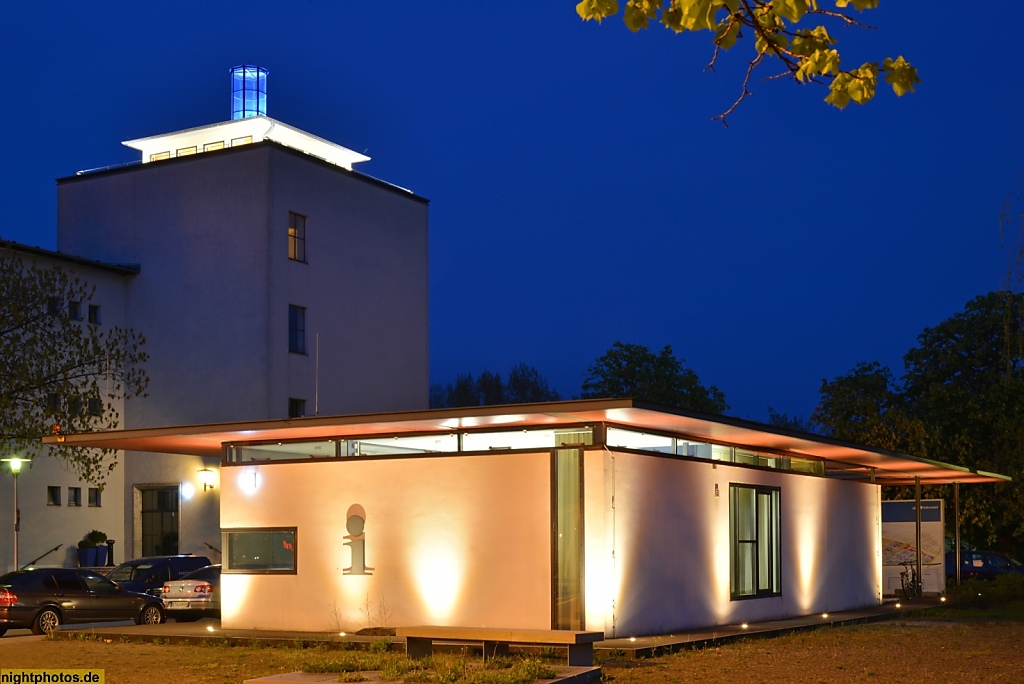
193, 632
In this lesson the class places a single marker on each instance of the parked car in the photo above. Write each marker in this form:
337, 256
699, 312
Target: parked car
147, 575
45, 598
194, 596
981, 565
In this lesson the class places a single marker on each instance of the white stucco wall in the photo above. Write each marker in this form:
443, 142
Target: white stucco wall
42, 526
209, 233
454, 540
658, 560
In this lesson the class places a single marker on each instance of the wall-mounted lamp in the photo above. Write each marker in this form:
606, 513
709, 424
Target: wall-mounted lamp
206, 477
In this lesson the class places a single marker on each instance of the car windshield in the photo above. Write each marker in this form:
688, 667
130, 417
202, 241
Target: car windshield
127, 573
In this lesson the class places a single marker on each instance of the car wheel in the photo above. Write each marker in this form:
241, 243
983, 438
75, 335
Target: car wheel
150, 615
47, 621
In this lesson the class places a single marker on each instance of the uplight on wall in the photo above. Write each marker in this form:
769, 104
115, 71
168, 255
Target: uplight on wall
206, 478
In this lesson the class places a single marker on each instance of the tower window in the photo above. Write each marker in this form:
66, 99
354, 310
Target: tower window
296, 237
296, 329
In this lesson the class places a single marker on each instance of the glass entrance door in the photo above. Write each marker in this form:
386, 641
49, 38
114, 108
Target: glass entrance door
160, 521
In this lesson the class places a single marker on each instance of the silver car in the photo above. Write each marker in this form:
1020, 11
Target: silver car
194, 596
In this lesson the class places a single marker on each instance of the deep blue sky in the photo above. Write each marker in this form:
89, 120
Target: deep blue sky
580, 193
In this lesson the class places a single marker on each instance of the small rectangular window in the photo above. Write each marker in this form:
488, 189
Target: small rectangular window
241, 141
53, 496
75, 405
53, 306
296, 329
209, 147
159, 155
53, 403
185, 151
95, 497
95, 407
296, 237
754, 530
296, 407
75, 311
259, 551
94, 314
74, 496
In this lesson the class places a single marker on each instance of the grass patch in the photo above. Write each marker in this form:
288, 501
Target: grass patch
438, 669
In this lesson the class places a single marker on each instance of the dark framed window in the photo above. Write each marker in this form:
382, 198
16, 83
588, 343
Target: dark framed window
53, 496
95, 406
296, 407
95, 497
261, 550
53, 306
94, 314
296, 237
74, 496
75, 311
296, 329
53, 403
754, 530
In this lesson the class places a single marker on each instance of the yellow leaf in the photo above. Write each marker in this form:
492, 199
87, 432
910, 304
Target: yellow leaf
596, 9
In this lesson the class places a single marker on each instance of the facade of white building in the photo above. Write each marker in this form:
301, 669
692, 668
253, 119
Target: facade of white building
269, 279
605, 515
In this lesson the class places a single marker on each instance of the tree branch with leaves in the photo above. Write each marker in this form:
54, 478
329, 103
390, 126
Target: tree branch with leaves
806, 54
58, 372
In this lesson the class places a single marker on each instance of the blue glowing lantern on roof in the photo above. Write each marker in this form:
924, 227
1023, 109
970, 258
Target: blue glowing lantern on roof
248, 91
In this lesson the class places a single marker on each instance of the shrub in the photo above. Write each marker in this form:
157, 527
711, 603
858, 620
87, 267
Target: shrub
975, 593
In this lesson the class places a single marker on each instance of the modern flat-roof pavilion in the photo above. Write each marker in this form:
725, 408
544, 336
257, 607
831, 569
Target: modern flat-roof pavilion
608, 515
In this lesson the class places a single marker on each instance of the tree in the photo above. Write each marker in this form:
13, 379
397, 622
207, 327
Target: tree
805, 54
784, 420
58, 372
525, 385
633, 370
965, 380
961, 400
866, 406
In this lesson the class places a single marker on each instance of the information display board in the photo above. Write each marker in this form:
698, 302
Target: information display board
899, 544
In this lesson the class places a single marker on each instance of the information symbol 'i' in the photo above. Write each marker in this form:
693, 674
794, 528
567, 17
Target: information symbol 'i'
354, 523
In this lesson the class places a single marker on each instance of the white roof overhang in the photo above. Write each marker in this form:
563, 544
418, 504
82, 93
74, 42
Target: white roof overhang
843, 460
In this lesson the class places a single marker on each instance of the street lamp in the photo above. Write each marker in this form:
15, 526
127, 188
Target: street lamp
15, 464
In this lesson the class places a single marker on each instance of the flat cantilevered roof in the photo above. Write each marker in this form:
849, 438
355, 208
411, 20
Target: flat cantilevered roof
843, 459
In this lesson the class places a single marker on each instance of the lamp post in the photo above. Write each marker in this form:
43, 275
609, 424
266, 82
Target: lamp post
15, 464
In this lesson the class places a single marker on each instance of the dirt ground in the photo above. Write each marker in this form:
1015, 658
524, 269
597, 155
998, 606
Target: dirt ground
922, 651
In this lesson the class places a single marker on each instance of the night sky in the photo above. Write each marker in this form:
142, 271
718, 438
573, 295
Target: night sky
580, 193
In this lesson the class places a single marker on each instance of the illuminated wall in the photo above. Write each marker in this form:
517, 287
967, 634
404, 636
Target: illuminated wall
212, 297
659, 560
451, 540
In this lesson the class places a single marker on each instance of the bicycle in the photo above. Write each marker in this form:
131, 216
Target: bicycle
910, 586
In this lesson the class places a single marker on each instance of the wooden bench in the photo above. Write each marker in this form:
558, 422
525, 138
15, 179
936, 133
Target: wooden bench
419, 640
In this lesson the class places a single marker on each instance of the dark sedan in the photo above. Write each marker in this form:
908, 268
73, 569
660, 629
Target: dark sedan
45, 598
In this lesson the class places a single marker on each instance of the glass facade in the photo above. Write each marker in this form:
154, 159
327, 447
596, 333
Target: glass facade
680, 446
248, 91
